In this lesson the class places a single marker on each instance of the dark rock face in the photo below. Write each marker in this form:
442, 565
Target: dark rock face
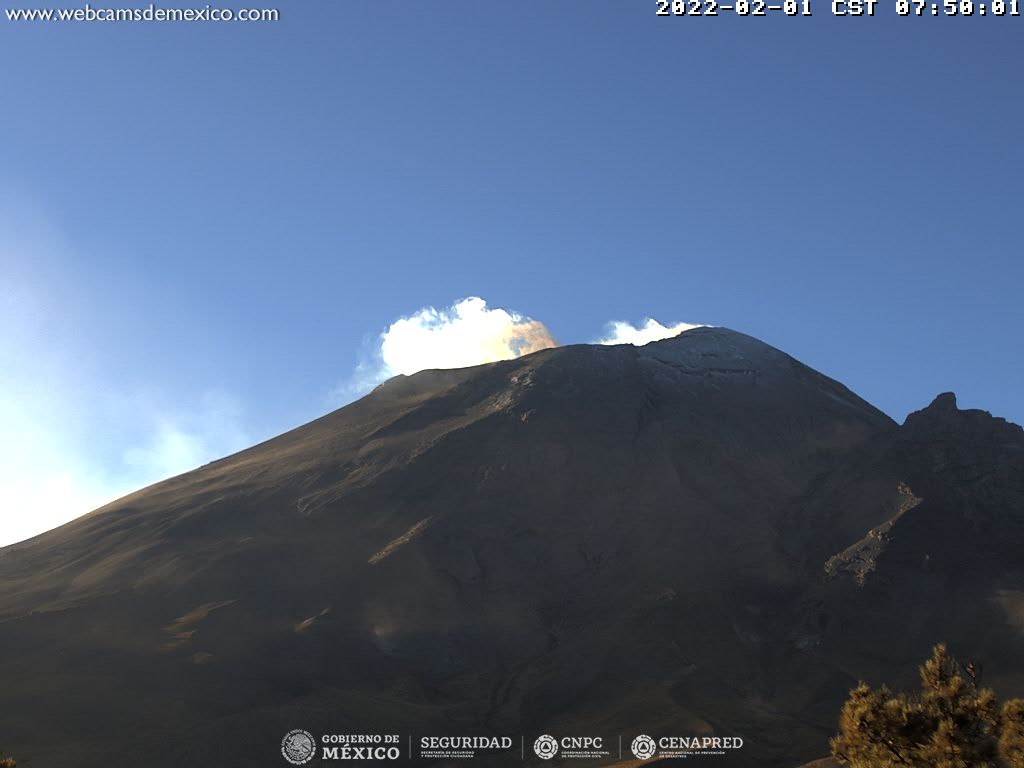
701, 535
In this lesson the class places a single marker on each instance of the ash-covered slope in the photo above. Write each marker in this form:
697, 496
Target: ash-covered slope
673, 538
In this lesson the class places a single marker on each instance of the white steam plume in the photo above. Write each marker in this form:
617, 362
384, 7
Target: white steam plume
466, 333
651, 330
470, 333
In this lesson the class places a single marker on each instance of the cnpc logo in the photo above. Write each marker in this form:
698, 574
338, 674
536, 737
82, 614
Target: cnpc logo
547, 747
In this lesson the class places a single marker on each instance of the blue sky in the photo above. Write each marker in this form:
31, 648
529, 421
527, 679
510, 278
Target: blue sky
204, 228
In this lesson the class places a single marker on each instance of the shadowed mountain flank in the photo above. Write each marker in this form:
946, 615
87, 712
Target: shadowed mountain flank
702, 535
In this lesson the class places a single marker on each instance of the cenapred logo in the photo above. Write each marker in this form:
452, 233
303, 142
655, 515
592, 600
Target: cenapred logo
643, 747
298, 746
546, 747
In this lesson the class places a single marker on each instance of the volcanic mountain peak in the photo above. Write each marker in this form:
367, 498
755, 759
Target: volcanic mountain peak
699, 348
696, 536
697, 360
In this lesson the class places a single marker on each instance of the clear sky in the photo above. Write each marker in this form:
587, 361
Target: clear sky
204, 228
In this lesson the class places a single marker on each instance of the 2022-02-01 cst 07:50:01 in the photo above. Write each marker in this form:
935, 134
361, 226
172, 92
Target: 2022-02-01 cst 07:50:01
838, 7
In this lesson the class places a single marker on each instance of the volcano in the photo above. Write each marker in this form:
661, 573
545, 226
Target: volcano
701, 536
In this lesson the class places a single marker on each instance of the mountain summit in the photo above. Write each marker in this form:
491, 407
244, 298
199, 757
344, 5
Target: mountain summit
701, 535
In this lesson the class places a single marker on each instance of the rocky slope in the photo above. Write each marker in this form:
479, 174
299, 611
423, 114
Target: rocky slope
698, 536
